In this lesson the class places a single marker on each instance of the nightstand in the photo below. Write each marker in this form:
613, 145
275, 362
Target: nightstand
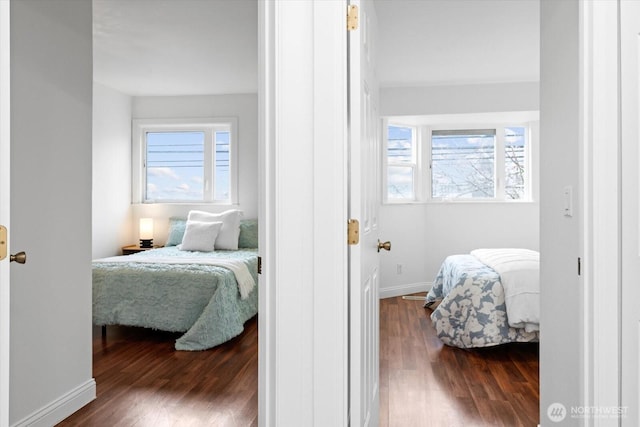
134, 249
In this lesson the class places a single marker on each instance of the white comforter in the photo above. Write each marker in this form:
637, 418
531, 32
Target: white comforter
519, 271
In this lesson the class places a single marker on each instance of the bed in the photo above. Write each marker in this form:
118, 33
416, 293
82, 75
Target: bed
207, 295
486, 298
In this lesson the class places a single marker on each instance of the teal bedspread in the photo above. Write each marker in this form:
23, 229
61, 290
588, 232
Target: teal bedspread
203, 301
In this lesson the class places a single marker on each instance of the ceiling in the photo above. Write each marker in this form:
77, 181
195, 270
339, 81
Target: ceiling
176, 47
441, 42
157, 47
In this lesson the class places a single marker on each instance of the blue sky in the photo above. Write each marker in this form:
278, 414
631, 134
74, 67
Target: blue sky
176, 165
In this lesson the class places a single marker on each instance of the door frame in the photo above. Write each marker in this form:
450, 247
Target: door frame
601, 190
629, 89
5, 189
303, 333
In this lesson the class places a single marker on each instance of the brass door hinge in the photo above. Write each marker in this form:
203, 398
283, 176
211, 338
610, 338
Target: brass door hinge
3, 242
353, 232
352, 17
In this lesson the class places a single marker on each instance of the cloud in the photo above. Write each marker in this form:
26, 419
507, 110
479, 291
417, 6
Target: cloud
197, 179
163, 171
480, 141
183, 187
401, 179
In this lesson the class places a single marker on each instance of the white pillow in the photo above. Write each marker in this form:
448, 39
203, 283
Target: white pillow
200, 236
230, 231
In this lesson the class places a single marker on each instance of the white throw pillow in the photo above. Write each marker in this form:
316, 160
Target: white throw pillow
230, 231
200, 236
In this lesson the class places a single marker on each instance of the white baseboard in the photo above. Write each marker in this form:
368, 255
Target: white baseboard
62, 407
411, 288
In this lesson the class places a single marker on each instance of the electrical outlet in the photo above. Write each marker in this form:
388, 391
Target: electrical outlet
398, 268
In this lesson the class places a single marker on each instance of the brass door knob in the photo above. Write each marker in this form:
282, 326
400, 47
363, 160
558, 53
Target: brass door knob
20, 258
386, 246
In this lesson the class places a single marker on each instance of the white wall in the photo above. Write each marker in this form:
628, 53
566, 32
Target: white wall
245, 108
481, 98
422, 235
51, 86
111, 222
560, 287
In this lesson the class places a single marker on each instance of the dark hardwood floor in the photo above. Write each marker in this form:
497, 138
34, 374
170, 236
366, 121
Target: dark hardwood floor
425, 383
142, 381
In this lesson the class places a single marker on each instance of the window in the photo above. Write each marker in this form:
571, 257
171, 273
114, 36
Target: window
184, 161
515, 153
401, 162
472, 163
463, 164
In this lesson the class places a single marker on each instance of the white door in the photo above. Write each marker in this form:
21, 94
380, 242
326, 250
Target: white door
363, 205
47, 323
4, 211
630, 46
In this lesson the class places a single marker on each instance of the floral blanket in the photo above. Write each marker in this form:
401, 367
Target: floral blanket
472, 311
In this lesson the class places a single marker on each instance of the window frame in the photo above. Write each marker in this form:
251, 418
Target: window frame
140, 128
499, 162
423, 176
415, 165
428, 174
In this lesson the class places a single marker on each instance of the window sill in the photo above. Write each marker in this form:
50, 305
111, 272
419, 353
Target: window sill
461, 202
182, 203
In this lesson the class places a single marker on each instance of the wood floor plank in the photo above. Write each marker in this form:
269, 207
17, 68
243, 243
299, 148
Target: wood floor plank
142, 381
430, 384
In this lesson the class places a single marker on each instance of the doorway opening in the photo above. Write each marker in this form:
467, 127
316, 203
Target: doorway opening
165, 62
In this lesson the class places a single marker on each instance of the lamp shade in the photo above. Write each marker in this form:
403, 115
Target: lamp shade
146, 228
